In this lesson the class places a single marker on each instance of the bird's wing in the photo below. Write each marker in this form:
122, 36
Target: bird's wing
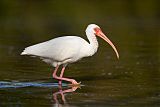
58, 49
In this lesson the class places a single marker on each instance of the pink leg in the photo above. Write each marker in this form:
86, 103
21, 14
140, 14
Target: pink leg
61, 78
61, 75
55, 71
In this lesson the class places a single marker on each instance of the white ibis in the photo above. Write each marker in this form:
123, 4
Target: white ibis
68, 49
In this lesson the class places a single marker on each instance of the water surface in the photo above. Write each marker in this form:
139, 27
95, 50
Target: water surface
106, 81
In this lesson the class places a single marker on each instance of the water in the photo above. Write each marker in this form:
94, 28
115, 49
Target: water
131, 81
107, 81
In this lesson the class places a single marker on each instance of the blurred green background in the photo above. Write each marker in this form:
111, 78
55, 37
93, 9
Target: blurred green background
132, 25
37, 20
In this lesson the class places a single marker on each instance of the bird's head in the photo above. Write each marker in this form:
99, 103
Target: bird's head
95, 29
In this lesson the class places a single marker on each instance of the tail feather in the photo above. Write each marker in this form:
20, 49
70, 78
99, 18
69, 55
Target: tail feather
24, 53
34, 50
29, 51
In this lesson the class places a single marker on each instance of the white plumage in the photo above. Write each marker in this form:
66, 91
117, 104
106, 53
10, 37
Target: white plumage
61, 50
68, 49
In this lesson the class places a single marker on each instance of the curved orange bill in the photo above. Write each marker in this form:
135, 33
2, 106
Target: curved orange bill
101, 34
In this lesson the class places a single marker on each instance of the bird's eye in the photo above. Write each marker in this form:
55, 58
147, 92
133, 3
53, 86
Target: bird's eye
96, 30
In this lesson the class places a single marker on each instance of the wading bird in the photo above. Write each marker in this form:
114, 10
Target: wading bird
68, 49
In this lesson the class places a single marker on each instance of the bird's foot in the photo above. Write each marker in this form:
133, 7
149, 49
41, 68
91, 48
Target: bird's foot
74, 83
73, 87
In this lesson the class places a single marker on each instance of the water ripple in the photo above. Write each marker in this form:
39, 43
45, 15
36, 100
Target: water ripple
6, 84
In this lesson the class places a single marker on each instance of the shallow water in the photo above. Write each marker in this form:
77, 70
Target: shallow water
131, 81
105, 81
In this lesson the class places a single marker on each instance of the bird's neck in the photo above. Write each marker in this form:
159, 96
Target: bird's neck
92, 42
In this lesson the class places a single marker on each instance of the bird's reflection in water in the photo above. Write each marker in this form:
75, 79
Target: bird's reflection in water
59, 96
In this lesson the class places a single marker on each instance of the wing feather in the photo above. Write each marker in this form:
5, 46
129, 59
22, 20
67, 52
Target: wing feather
58, 49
